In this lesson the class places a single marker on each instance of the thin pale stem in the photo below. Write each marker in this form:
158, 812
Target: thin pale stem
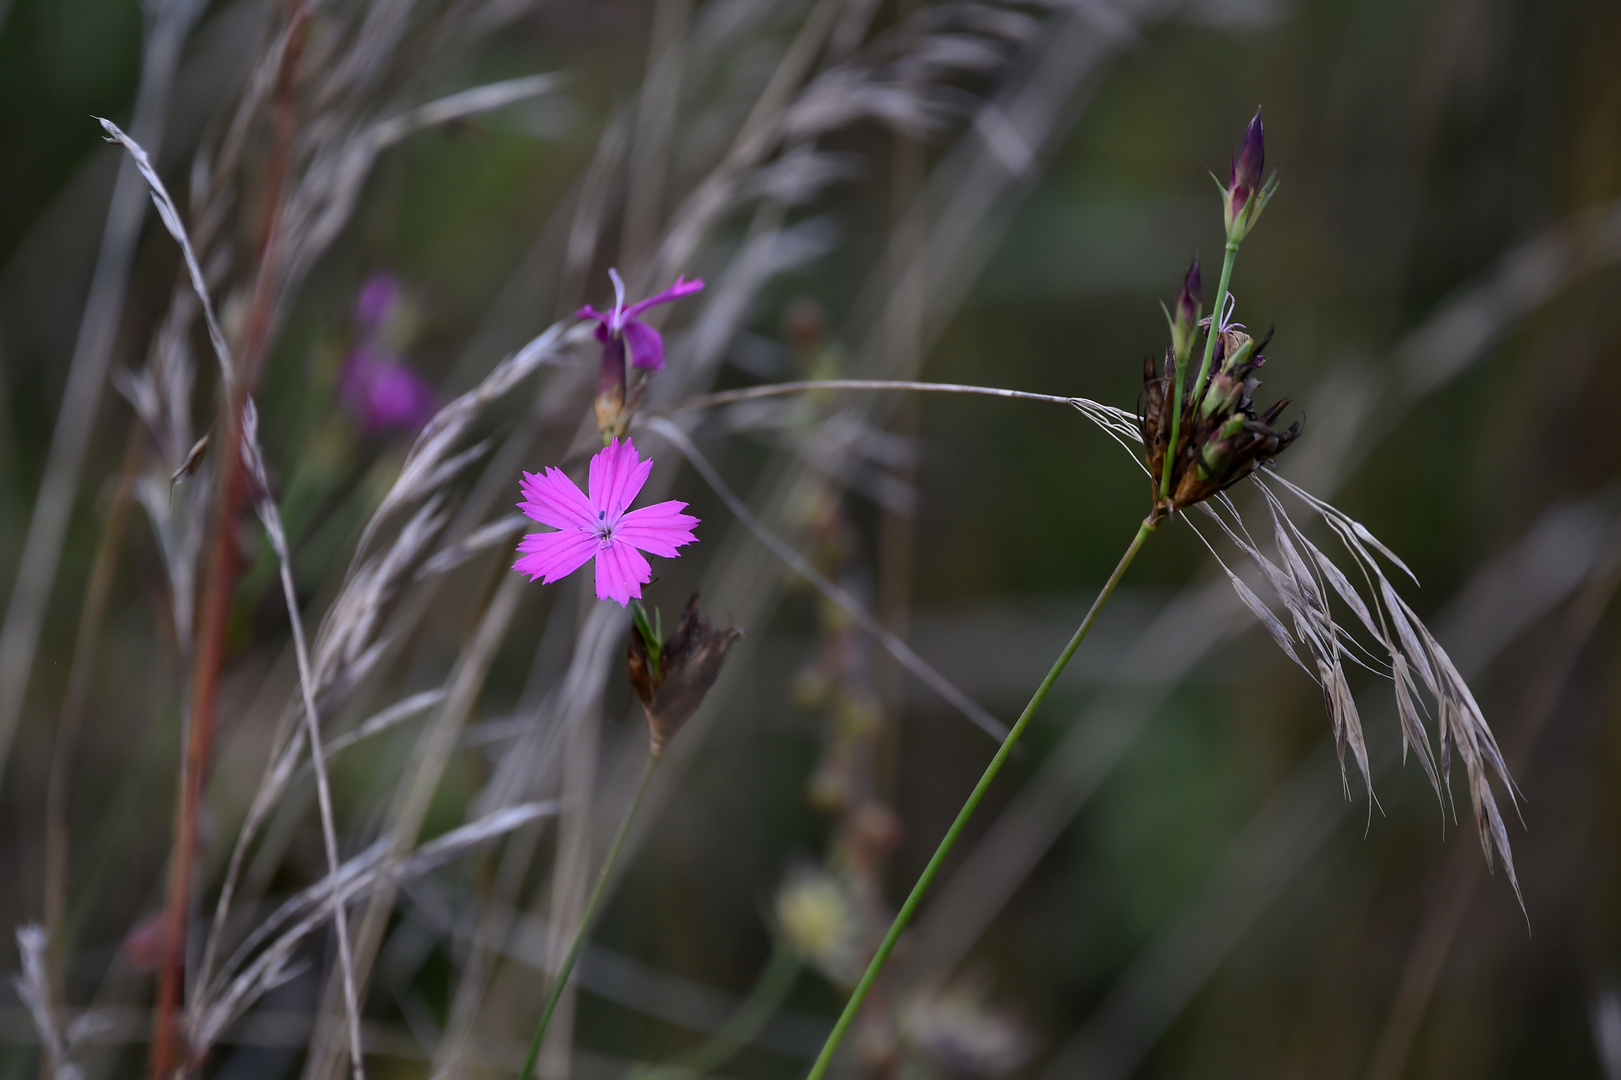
1230, 256
323, 790
728, 397
591, 902
904, 916
763, 1001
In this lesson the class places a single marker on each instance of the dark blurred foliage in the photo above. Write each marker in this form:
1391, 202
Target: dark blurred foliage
1193, 917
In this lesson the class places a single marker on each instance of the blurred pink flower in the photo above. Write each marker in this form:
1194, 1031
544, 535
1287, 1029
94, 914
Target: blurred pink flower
597, 526
383, 392
645, 345
377, 300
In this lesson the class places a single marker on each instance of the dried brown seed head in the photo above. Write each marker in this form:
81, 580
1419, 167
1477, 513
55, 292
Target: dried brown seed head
672, 686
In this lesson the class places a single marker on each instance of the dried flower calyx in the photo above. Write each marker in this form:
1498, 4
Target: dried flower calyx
672, 675
1221, 438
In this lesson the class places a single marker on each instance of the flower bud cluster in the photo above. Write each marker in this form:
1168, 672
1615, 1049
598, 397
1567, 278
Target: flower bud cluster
1221, 438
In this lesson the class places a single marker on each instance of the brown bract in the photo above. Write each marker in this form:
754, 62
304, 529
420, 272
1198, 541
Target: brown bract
688, 666
1221, 439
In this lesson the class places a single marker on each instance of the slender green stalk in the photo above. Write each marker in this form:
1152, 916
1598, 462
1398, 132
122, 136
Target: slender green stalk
763, 1001
1228, 258
591, 902
904, 916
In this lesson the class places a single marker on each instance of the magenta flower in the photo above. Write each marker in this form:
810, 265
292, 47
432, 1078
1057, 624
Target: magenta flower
645, 345
379, 298
598, 526
383, 392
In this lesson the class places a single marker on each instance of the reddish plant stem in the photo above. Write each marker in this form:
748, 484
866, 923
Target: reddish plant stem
168, 1055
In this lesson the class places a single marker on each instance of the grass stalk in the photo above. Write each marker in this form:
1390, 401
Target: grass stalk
751, 393
567, 967
167, 1053
904, 916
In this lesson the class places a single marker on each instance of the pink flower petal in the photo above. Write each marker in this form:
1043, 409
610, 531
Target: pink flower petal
616, 478
658, 529
646, 346
555, 555
682, 287
551, 498
621, 573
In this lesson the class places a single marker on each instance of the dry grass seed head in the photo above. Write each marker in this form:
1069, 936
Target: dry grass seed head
1415, 657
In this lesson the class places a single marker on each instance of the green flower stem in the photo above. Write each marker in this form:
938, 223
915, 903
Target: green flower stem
904, 916
766, 997
585, 919
1230, 256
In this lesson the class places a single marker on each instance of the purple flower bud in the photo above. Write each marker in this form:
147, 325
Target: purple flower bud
1185, 322
1251, 156
1245, 195
1191, 299
376, 301
382, 392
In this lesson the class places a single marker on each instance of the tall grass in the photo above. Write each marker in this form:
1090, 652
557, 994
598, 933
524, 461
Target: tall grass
391, 768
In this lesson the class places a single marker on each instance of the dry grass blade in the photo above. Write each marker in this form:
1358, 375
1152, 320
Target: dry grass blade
271, 516
170, 216
385, 719
1302, 584
339, 166
1274, 625
422, 468
34, 990
1271, 851
1412, 648
495, 534
242, 982
430, 758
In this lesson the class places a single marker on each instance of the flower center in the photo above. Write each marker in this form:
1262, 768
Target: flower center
605, 529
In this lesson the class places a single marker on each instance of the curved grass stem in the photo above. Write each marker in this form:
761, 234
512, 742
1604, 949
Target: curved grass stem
752, 393
767, 996
904, 916
586, 916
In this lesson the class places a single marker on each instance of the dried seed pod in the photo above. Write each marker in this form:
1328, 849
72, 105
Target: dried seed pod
670, 678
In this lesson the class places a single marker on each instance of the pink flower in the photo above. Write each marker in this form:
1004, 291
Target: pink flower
383, 392
645, 344
598, 526
379, 298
